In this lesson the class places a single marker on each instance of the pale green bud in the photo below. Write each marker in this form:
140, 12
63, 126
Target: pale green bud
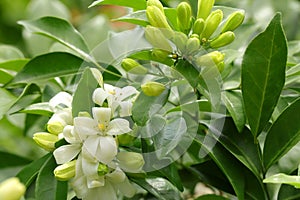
221, 66
12, 189
160, 55
234, 20
195, 36
55, 128
204, 8
157, 18
211, 59
153, 88
130, 161
133, 66
156, 3
222, 40
198, 26
184, 14
211, 24
180, 40
102, 169
192, 45
59, 120
66, 171
155, 37
46, 140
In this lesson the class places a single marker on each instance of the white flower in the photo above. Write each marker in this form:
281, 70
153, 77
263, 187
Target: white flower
98, 133
68, 152
116, 98
59, 120
60, 100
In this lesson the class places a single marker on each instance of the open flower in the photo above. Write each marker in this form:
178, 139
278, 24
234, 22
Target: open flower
60, 100
117, 98
98, 133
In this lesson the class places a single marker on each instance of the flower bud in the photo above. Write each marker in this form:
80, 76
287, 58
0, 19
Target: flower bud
133, 66
222, 40
155, 37
192, 45
160, 55
130, 161
45, 140
184, 13
12, 189
204, 8
234, 20
55, 128
198, 26
157, 18
153, 88
211, 59
66, 171
156, 3
102, 169
59, 120
180, 40
211, 24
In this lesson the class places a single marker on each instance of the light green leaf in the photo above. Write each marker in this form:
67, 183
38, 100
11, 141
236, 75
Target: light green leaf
14, 65
283, 134
38, 109
136, 4
234, 104
283, 178
8, 52
263, 74
6, 101
5, 76
139, 18
49, 66
84, 93
59, 30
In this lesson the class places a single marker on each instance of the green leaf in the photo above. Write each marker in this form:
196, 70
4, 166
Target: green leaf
49, 66
234, 104
211, 197
38, 109
283, 134
84, 93
15, 65
147, 55
8, 52
263, 74
47, 187
135, 4
139, 18
240, 145
283, 178
188, 71
11, 160
6, 101
144, 104
59, 30
5, 76
28, 173
288, 192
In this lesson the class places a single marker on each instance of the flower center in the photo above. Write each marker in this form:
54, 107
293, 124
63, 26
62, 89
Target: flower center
112, 92
101, 127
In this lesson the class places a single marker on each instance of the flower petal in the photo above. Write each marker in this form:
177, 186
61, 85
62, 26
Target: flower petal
85, 126
60, 98
106, 192
126, 188
108, 149
99, 96
126, 107
92, 145
118, 126
117, 176
66, 153
125, 92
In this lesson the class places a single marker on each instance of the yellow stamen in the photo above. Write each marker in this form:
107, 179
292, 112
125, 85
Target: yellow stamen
101, 127
112, 92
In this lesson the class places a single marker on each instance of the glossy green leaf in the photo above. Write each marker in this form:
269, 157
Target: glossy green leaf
38, 109
283, 134
8, 52
136, 4
263, 74
5, 76
188, 71
211, 197
15, 65
234, 104
285, 179
241, 145
59, 30
139, 18
84, 93
47, 187
49, 66
288, 192
29, 173
142, 108
11, 160
6, 101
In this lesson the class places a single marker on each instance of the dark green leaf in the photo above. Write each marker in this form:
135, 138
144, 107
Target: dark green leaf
263, 74
211, 197
188, 71
288, 192
28, 173
11, 160
136, 4
60, 31
84, 93
47, 187
234, 104
283, 134
49, 66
